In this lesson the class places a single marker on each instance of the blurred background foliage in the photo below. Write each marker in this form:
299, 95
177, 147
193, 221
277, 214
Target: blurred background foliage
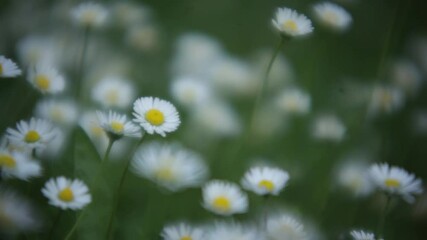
324, 63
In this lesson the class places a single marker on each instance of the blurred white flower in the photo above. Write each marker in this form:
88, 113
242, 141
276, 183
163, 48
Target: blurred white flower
406, 76
19, 165
8, 68
233, 231
353, 175
224, 198
396, 181
293, 101
35, 134
385, 99
190, 92
113, 92
291, 23
284, 226
89, 14
129, 13
62, 112
362, 235
156, 115
116, 125
265, 180
144, 37
66, 193
265, 126
35, 50
170, 166
46, 79
328, 127
182, 231
332, 15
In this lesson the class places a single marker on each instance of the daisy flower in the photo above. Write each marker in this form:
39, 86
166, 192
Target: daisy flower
89, 14
156, 115
66, 193
46, 79
406, 76
8, 68
34, 134
353, 175
113, 92
170, 166
329, 128
16, 214
35, 49
190, 92
332, 15
293, 101
362, 235
265, 180
227, 231
19, 165
62, 112
385, 99
182, 231
292, 24
284, 226
224, 198
396, 181
116, 126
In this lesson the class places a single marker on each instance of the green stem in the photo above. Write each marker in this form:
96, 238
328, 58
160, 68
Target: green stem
382, 221
80, 69
107, 152
55, 222
75, 225
119, 189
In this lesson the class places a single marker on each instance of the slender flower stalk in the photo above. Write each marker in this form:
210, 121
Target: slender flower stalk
75, 225
119, 189
382, 221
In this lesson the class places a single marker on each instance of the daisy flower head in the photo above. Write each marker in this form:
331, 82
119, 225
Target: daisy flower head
156, 115
395, 181
224, 198
362, 235
293, 101
265, 180
8, 69
284, 226
170, 166
353, 175
182, 231
113, 92
332, 16
406, 76
232, 231
385, 99
116, 126
46, 79
35, 134
190, 91
89, 14
62, 112
292, 24
328, 128
14, 164
66, 193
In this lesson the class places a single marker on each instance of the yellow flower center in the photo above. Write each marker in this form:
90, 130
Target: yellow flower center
222, 203
267, 184
186, 238
7, 161
112, 96
392, 183
89, 17
290, 25
66, 195
42, 82
165, 174
117, 127
1, 69
155, 117
32, 136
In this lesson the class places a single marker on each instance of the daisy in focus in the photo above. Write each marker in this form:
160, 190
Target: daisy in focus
182, 231
156, 115
284, 226
265, 180
61, 112
19, 165
46, 79
35, 134
332, 16
170, 166
89, 14
224, 198
66, 193
292, 24
8, 69
116, 126
395, 181
362, 235
113, 92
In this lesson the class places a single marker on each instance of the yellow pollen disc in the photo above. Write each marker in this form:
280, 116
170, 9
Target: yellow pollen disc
42, 82
1, 69
222, 203
186, 238
165, 174
392, 183
290, 25
32, 136
267, 184
7, 161
66, 195
155, 117
117, 127
112, 96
